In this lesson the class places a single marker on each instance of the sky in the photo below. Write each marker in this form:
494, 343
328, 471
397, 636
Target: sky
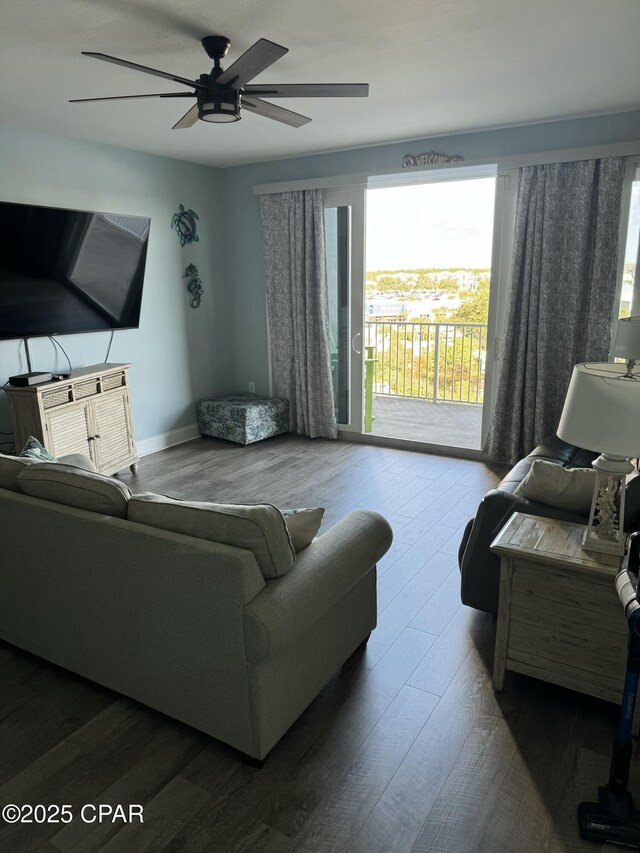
446, 224
634, 225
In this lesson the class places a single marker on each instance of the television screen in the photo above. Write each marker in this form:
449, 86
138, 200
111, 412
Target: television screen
67, 271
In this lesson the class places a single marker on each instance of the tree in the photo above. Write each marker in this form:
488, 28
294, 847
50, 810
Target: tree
448, 285
473, 309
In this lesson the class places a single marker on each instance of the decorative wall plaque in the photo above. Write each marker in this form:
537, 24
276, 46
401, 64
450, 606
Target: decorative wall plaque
184, 222
194, 285
430, 158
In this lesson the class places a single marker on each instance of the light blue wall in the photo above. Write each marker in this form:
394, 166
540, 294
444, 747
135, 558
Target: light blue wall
244, 256
178, 354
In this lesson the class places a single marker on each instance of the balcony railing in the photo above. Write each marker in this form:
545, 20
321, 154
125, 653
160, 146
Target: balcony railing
430, 361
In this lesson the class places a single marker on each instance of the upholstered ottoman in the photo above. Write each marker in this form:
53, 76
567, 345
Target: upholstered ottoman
243, 418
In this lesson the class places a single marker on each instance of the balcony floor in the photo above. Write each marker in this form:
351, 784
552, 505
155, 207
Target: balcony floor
451, 424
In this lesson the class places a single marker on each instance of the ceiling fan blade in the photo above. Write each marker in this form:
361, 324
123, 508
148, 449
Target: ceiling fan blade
254, 60
145, 69
133, 97
188, 119
264, 108
309, 90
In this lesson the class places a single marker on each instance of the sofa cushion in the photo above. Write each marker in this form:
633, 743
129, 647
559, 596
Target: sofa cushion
566, 488
259, 528
72, 486
303, 525
10, 467
33, 449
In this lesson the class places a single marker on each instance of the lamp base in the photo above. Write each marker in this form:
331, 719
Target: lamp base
602, 546
605, 530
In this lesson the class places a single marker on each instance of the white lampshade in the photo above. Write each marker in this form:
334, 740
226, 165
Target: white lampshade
627, 342
602, 410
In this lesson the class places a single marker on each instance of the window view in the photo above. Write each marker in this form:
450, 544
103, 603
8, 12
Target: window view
627, 300
426, 308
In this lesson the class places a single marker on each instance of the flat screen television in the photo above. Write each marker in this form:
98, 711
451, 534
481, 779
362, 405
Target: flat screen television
68, 271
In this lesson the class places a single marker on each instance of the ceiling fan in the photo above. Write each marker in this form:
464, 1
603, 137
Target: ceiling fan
222, 94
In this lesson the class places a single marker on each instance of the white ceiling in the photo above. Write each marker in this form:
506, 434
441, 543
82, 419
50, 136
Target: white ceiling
434, 67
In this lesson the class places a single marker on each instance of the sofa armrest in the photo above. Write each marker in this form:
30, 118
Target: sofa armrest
322, 574
479, 567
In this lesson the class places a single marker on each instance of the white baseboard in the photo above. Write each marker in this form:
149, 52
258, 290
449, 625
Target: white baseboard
167, 439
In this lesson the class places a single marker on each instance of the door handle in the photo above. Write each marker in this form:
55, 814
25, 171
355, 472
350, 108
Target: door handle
353, 343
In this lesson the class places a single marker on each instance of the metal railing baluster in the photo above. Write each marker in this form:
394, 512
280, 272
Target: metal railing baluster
464, 346
470, 365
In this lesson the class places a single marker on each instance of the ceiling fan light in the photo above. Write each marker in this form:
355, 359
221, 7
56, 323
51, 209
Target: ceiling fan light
219, 111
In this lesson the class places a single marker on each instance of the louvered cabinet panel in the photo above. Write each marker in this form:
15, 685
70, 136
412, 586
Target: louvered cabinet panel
68, 431
114, 442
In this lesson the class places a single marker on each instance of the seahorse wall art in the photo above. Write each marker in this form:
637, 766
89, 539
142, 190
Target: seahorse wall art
194, 285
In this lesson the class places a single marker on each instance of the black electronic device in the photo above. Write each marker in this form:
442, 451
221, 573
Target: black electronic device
34, 378
69, 271
614, 818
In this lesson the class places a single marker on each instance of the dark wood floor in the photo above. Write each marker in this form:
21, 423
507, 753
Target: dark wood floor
406, 749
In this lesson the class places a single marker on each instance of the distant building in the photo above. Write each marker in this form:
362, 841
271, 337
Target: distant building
466, 279
386, 310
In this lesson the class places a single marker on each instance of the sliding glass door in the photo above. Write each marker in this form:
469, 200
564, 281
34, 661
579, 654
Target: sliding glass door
414, 321
432, 247
344, 252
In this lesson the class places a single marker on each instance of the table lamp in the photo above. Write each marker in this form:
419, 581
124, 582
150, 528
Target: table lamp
627, 343
602, 413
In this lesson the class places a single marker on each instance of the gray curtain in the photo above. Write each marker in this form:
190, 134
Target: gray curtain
563, 282
297, 305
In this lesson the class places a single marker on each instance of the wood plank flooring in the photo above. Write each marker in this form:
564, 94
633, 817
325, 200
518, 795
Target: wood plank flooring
407, 749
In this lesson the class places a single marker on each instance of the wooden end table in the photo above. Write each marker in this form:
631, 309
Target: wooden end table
559, 616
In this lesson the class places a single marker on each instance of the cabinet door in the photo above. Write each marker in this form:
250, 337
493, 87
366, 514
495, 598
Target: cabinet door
114, 434
69, 429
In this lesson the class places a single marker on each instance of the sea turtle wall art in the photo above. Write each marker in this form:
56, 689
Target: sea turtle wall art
184, 222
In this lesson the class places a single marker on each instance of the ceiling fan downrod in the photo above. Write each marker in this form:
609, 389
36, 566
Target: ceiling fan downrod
216, 48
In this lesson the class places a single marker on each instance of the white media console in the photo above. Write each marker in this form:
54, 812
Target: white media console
89, 412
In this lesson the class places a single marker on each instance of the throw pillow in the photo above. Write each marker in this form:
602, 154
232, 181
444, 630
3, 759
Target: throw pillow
71, 486
78, 460
259, 528
33, 449
570, 489
303, 525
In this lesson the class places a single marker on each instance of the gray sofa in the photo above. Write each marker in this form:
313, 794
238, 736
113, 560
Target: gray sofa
185, 625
